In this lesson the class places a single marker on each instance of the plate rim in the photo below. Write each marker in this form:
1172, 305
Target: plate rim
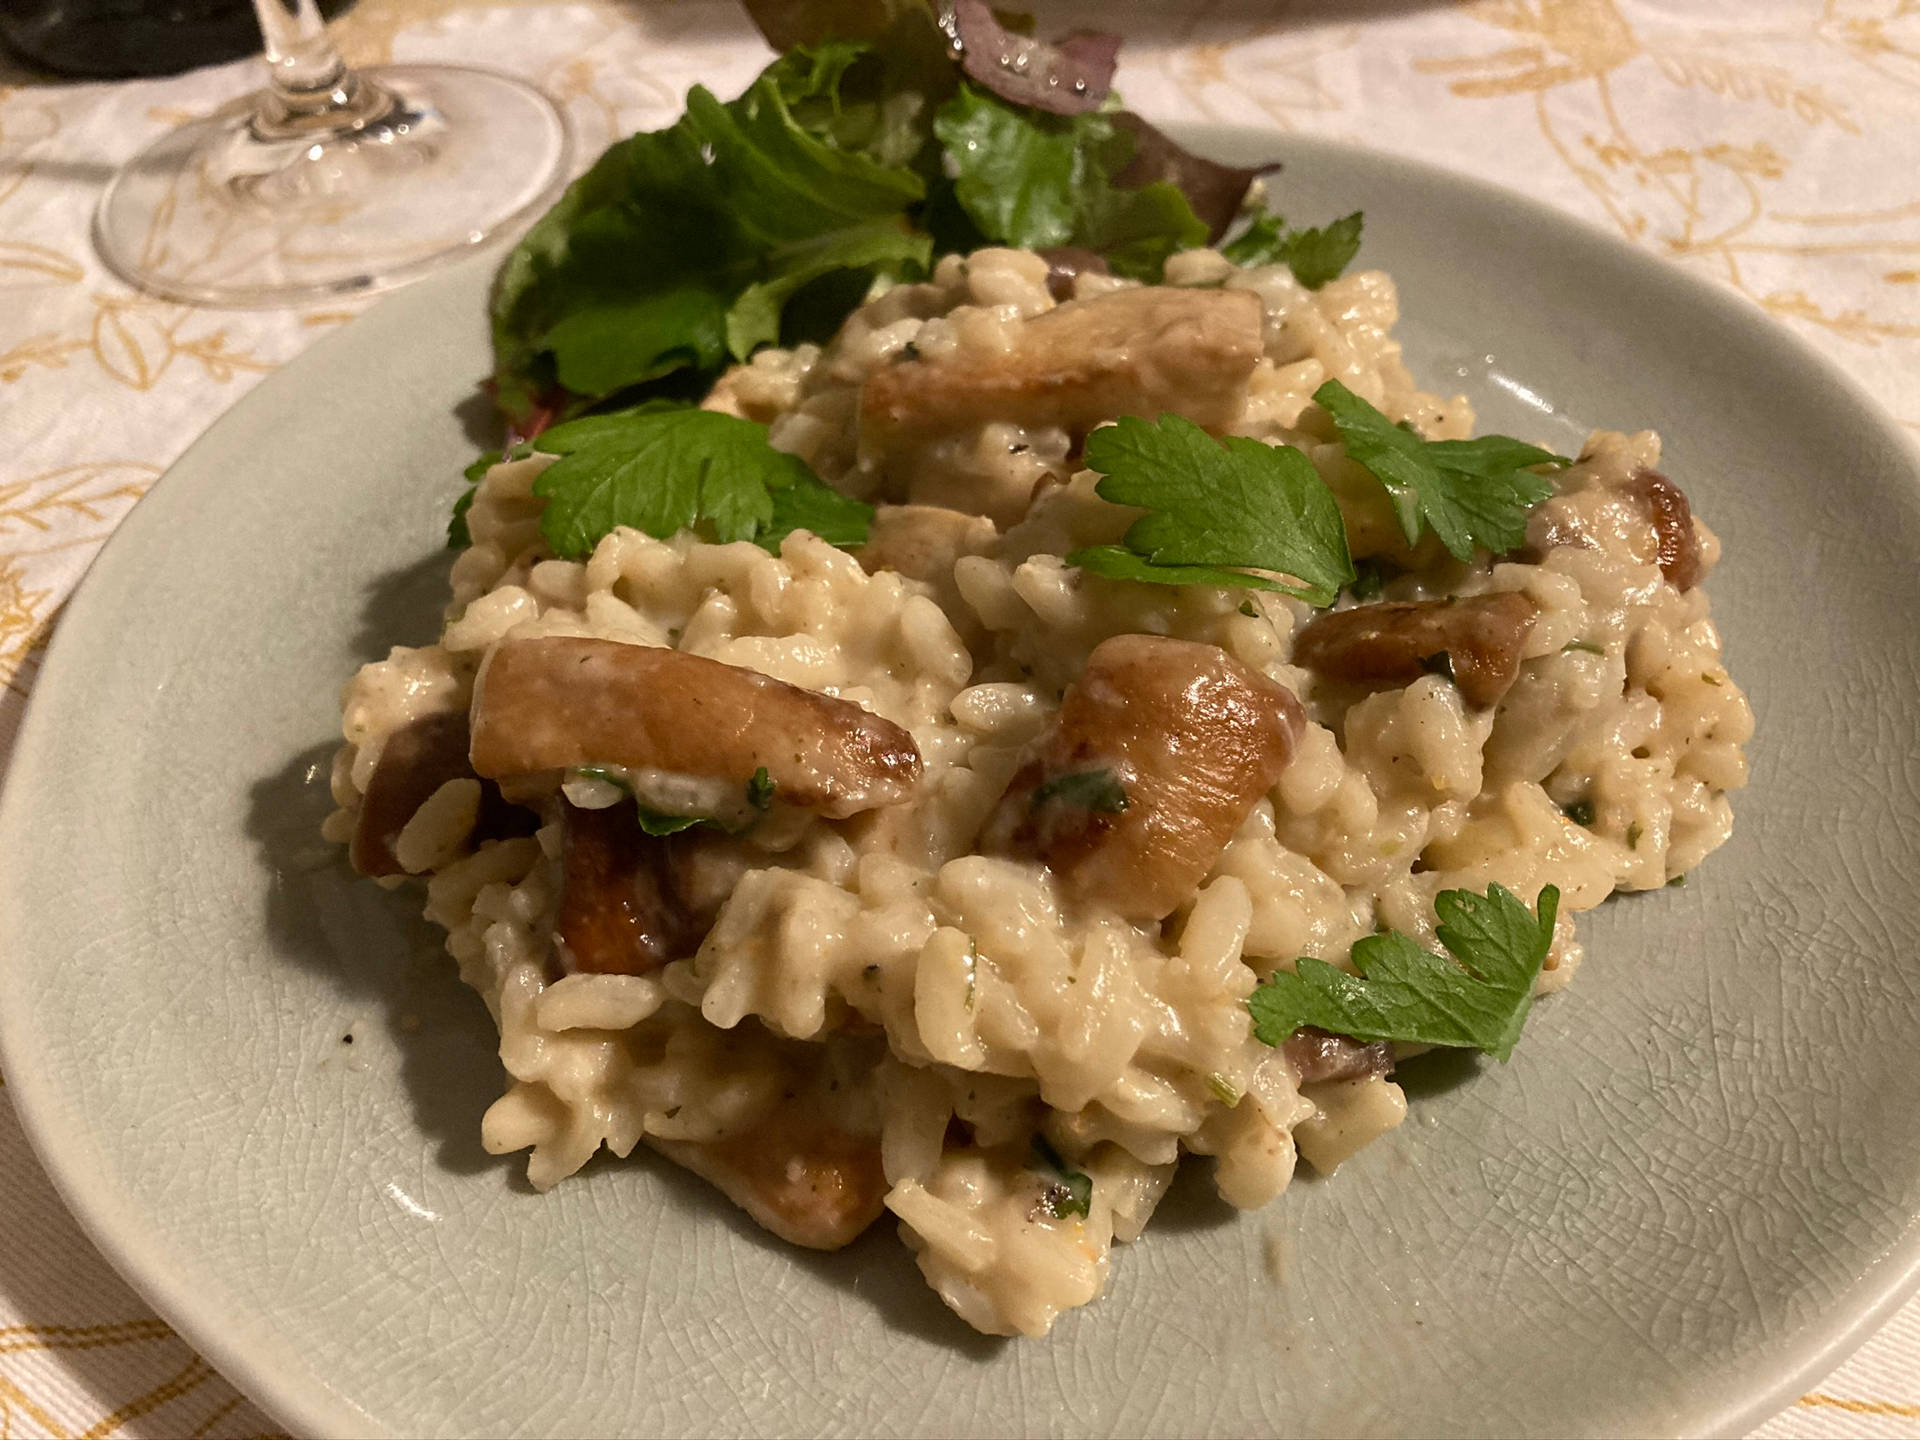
297, 1397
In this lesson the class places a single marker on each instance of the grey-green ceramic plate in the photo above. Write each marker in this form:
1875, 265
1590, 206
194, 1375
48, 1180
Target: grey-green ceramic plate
1690, 1192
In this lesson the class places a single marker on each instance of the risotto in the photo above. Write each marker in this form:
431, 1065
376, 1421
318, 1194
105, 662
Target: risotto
993, 850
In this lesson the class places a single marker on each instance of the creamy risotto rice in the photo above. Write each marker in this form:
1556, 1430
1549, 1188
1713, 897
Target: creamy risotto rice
879, 982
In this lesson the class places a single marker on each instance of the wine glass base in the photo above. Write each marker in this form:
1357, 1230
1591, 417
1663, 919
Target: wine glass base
242, 209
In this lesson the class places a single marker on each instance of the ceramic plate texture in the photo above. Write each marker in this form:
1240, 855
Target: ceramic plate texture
1690, 1191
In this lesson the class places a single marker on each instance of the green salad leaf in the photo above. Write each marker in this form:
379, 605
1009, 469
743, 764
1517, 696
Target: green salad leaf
1024, 179
1031, 179
1468, 492
883, 246
1217, 509
1314, 255
679, 248
1477, 1000
663, 469
873, 93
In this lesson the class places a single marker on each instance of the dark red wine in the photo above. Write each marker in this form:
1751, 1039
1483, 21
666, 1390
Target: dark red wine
115, 39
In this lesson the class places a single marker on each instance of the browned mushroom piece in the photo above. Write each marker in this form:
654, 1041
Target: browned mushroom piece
1140, 351
923, 542
798, 1174
1160, 750
1319, 1055
417, 760
561, 701
1479, 638
1664, 506
620, 913
1672, 525
1066, 264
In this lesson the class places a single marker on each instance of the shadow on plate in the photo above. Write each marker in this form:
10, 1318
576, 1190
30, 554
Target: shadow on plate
403, 607
373, 947
1435, 1073
877, 1268
480, 420
1191, 1202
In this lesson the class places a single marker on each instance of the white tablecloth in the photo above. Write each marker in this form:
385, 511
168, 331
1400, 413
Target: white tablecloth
1773, 145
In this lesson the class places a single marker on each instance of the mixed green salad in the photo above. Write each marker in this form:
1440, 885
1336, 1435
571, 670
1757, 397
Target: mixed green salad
885, 136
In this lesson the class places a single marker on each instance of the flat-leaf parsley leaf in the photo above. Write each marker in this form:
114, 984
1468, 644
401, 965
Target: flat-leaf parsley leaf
654, 822
660, 823
1314, 255
761, 789
1089, 789
664, 470
458, 536
1072, 1193
1477, 1000
1217, 510
1469, 492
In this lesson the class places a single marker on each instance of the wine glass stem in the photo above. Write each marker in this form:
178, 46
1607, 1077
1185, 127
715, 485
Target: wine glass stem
310, 86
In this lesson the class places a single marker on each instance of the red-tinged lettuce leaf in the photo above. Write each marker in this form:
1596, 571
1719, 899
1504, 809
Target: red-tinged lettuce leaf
1071, 76
1136, 230
1215, 191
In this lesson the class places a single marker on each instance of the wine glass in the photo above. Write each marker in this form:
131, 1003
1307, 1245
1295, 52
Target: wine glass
330, 182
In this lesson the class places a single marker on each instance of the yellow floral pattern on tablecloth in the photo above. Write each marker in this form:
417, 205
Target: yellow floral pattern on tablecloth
1718, 199
45, 521
1773, 145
